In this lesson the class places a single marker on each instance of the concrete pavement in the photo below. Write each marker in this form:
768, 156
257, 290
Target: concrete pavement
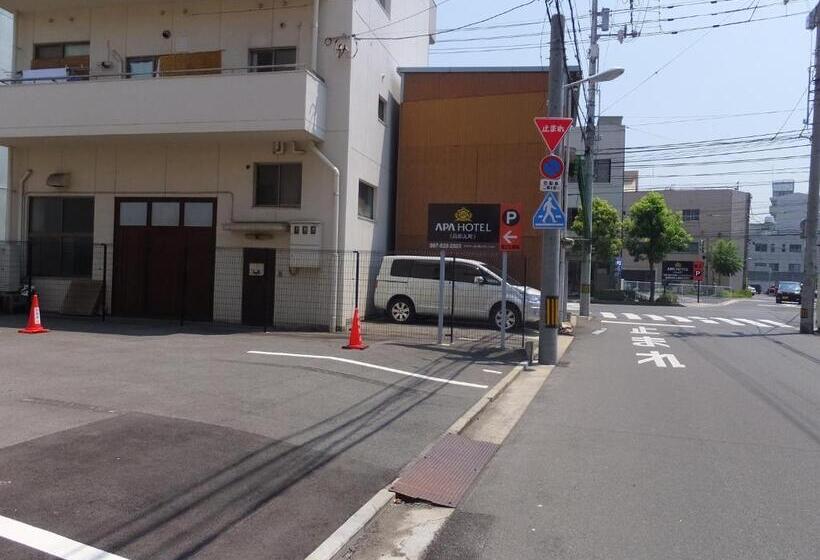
615, 459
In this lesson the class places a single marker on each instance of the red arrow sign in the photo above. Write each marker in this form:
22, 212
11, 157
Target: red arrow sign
552, 130
510, 238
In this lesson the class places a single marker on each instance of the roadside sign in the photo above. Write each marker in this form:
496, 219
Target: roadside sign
549, 214
677, 271
697, 271
619, 267
510, 235
457, 226
550, 185
552, 130
552, 167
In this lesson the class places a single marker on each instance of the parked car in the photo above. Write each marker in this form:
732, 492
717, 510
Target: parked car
788, 291
408, 287
752, 289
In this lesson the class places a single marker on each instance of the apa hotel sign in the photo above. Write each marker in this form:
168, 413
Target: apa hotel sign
462, 226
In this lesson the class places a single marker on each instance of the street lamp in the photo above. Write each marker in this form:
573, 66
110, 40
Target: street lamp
605, 76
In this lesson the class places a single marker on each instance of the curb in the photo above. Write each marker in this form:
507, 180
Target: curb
356, 523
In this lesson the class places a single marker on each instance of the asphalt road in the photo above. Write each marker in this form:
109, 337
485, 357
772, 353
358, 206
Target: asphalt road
157, 444
718, 458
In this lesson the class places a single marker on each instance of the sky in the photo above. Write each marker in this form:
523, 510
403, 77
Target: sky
717, 80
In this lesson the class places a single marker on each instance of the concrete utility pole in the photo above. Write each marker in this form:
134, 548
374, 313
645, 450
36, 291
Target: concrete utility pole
551, 239
589, 161
809, 258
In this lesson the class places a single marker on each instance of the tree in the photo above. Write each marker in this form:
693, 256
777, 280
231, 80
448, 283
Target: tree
652, 231
724, 258
606, 230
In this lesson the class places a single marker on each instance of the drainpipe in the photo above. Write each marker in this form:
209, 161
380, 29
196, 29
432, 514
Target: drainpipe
314, 55
337, 222
22, 203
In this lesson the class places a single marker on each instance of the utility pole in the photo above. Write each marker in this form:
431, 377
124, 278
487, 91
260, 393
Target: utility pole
589, 162
810, 256
551, 238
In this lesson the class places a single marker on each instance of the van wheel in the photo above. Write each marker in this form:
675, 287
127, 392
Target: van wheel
401, 310
513, 317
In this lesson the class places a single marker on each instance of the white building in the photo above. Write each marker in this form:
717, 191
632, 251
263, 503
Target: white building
167, 147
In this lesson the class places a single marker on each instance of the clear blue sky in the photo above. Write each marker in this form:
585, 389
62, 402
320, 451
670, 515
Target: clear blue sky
753, 67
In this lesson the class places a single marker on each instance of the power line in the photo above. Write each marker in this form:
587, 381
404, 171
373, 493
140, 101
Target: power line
433, 5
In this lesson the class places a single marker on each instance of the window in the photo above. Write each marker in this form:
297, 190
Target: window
465, 273
795, 248
761, 265
572, 172
771, 247
367, 195
279, 185
141, 67
761, 247
199, 214
134, 214
774, 267
382, 110
273, 60
691, 215
165, 214
572, 213
693, 247
61, 230
603, 170
425, 270
794, 267
61, 50
401, 269
783, 248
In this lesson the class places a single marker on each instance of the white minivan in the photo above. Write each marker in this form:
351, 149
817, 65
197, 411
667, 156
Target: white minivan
408, 286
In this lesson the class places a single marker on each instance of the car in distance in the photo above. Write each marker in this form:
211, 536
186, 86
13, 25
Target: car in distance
753, 290
407, 287
788, 291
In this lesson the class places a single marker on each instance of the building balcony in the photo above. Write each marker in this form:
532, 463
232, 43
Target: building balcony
287, 105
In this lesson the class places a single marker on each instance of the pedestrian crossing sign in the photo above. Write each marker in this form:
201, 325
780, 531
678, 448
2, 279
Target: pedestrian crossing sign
549, 214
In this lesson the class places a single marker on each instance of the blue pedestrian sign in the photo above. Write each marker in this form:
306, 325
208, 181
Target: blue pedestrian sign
549, 214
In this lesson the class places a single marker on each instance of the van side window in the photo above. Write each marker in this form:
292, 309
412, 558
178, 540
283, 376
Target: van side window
401, 269
464, 273
427, 270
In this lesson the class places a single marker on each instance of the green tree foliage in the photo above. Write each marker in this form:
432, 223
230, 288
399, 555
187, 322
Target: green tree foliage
724, 258
652, 231
606, 230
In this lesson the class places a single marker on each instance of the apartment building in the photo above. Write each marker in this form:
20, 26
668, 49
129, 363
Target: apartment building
708, 215
205, 151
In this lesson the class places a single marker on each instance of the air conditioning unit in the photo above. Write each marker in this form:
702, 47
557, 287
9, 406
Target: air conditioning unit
305, 245
59, 180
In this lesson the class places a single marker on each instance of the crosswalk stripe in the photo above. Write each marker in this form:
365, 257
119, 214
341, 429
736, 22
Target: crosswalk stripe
728, 321
632, 316
656, 317
679, 319
778, 324
753, 323
704, 320
608, 315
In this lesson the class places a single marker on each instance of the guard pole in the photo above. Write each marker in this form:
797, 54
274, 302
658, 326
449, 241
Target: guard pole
441, 298
504, 300
551, 239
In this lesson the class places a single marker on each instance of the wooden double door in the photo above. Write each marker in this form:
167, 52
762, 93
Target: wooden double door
164, 252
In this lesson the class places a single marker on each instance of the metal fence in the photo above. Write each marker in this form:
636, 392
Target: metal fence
407, 297
685, 292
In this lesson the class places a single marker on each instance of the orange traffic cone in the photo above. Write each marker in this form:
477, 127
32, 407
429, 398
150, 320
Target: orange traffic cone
35, 326
356, 342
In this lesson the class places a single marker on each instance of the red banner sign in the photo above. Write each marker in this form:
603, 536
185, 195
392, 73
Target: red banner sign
509, 238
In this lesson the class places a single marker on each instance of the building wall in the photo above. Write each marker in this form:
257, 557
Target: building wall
6, 47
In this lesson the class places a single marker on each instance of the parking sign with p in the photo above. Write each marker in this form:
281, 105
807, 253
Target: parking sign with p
509, 238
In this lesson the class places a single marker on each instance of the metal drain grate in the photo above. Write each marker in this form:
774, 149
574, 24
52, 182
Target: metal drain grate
445, 473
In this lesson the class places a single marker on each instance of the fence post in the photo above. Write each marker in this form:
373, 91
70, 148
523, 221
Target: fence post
184, 286
503, 299
453, 302
29, 261
104, 280
524, 319
356, 288
441, 297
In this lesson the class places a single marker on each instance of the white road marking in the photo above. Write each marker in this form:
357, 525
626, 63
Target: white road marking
50, 543
599, 331
778, 324
495, 371
704, 320
656, 317
371, 366
754, 323
729, 322
608, 315
679, 319
653, 325
632, 316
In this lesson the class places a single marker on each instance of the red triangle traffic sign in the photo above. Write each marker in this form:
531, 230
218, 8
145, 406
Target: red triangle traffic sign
552, 130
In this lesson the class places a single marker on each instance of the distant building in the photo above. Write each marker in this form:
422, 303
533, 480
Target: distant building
631, 180
708, 215
6, 44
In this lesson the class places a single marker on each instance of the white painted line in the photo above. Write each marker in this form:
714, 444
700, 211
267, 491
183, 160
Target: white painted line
371, 366
729, 321
679, 319
656, 318
599, 331
608, 315
754, 323
779, 324
495, 371
650, 324
632, 316
704, 320
50, 543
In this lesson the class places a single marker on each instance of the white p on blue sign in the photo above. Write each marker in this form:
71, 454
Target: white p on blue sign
549, 214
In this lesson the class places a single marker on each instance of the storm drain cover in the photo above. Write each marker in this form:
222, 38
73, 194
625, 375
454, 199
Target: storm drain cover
446, 471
